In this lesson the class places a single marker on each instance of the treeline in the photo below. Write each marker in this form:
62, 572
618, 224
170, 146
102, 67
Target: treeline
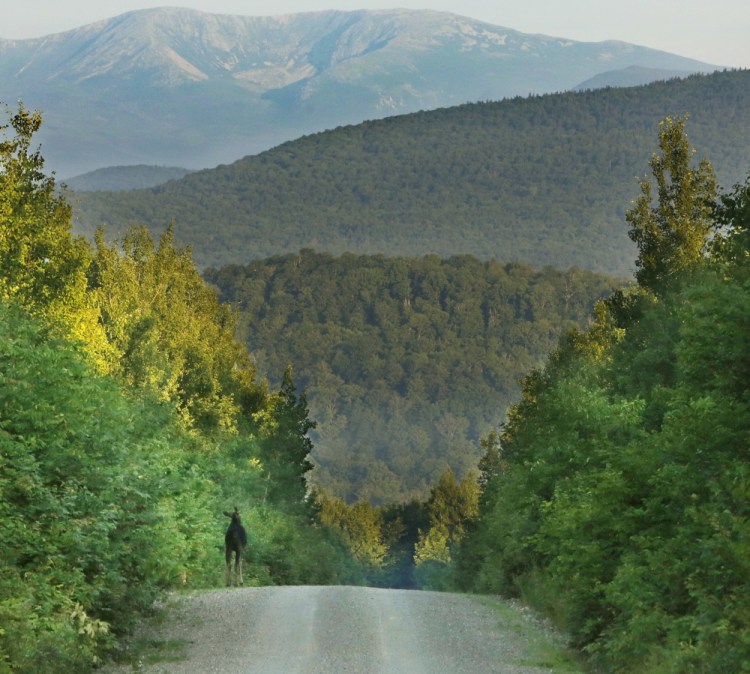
616, 495
118, 178
405, 545
544, 180
130, 418
406, 362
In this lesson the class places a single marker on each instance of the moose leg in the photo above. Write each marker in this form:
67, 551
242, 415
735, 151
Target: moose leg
239, 568
229, 566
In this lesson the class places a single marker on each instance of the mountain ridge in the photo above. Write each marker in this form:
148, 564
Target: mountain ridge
139, 87
544, 179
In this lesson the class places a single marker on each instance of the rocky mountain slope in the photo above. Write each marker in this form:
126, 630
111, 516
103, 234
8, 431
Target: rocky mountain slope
175, 86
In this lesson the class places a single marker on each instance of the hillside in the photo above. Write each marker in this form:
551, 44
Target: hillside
406, 361
154, 77
118, 178
545, 180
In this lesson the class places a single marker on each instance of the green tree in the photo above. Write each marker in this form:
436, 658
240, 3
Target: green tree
452, 506
671, 235
360, 526
285, 444
42, 266
90, 479
169, 333
732, 240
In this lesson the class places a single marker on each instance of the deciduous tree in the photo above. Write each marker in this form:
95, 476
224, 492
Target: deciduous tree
671, 235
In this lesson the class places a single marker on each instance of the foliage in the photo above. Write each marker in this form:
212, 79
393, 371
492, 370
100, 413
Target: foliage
360, 527
120, 450
406, 361
169, 334
452, 506
284, 443
404, 545
42, 267
672, 235
541, 179
617, 494
89, 483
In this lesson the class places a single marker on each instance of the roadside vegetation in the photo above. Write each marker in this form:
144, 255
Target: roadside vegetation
614, 497
130, 418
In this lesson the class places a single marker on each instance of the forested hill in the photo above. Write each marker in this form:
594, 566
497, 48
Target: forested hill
544, 179
116, 178
406, 361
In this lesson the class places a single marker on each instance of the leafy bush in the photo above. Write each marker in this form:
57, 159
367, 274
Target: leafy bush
621, 500
100, 505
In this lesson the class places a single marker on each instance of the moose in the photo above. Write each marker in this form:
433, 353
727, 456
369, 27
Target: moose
235, 541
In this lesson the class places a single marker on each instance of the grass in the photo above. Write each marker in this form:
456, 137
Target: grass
141, 649
542, 646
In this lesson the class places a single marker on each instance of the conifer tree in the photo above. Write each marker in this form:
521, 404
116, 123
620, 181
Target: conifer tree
285, 443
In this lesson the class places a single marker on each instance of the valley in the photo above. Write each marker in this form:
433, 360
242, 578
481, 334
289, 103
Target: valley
449, 349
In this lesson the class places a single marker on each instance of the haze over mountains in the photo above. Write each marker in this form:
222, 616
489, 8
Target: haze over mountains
545, 180
175, 86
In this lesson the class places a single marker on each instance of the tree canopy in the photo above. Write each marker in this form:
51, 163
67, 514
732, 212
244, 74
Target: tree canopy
544, 180
406, 362
616, 496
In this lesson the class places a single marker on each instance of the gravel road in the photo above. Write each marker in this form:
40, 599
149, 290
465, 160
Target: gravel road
350, 630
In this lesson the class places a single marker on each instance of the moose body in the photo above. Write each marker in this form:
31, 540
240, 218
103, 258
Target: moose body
235, 541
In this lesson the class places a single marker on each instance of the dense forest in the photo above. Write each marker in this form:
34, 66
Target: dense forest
544, 180
130, 419
406, 362
616, 496
613, 496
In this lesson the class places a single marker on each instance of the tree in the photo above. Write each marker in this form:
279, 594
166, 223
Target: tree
285, 445
672, 235
168, 331
360, 526
733, 224
42, 266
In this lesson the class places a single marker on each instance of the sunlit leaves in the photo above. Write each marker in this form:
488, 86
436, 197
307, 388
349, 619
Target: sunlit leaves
671, 235
168, 332
42, 265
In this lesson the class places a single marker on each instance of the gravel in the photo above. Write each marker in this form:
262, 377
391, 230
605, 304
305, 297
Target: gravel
350, 630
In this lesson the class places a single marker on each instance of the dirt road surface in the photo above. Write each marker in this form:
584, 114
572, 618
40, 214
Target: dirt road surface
350, 630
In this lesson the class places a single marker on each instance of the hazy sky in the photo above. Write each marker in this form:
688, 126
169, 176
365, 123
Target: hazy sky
717, 31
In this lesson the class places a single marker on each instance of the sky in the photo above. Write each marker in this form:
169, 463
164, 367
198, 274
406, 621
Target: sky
716, 32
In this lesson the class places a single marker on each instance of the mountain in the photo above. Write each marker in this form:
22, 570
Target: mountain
179, 87
545, 180
632, 76
116, 178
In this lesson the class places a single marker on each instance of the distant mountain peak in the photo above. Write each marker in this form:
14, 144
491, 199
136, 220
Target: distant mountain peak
139, 87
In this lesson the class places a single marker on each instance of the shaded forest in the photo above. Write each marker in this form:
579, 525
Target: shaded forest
406, 362
545, 180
